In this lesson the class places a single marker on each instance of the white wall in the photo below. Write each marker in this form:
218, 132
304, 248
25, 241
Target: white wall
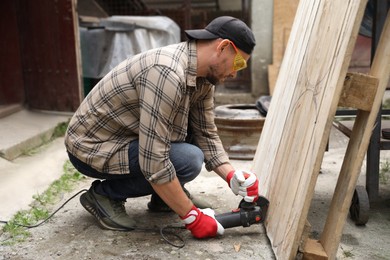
261, 24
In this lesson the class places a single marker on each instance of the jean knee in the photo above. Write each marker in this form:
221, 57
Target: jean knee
196, 159
187, 160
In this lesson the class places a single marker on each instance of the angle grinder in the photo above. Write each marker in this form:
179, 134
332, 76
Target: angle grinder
246, 214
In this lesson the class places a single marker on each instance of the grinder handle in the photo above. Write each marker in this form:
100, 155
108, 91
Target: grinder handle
229, 219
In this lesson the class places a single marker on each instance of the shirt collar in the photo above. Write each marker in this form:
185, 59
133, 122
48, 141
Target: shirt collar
192, 64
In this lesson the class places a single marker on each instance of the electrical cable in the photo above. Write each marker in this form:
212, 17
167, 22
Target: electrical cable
163, 229
51, 215
164, 232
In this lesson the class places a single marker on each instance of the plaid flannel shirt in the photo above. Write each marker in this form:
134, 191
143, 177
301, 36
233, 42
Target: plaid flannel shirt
154, 97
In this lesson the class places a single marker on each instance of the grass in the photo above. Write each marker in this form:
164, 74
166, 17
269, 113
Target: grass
16, 229
348, 254
64, 184
40, 207
58, 131
386, 104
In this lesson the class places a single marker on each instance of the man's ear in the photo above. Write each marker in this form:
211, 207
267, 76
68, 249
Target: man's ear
222, 45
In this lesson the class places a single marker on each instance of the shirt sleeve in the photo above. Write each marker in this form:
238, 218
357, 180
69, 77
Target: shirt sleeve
160, 91
205, 132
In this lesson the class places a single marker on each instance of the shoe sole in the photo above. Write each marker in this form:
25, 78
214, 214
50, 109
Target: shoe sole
95, 212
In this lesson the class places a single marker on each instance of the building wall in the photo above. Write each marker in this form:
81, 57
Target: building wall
261, 23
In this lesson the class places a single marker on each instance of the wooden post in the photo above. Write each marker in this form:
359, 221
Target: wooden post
356, 150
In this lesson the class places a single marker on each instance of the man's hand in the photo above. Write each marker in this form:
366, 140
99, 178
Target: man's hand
245, 184
202, 223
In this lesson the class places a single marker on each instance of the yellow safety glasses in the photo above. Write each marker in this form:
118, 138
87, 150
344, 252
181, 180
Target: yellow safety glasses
239, 62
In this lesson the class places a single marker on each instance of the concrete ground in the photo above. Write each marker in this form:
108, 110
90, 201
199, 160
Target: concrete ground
74, 233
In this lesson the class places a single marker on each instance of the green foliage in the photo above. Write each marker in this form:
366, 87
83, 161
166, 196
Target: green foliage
60, 130
348, 254
40, 206
386, 104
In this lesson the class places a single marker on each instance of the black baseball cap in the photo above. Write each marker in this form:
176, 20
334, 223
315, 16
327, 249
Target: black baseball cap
226, 27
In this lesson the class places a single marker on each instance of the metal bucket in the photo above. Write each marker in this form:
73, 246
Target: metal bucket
239, 127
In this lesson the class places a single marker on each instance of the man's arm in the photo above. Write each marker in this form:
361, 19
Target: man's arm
223, 170
173, 195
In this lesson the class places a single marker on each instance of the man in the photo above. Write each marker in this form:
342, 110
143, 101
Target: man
132, 130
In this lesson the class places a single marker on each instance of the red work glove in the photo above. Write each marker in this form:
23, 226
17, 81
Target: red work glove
202, 223
245, 184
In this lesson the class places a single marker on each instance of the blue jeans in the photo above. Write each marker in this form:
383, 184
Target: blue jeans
186, 158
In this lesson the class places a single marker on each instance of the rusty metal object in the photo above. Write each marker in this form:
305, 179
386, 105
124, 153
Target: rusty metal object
239, 127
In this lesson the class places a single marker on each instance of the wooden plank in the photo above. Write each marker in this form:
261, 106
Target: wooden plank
273, 71
345, 127
314, 251
283, 17
359, 91
299, 120
357, 149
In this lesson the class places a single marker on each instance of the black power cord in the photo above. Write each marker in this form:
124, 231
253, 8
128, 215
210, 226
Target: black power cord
165, 231
49, 217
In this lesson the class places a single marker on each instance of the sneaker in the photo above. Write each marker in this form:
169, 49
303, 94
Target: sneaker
109, 213
156, 204
199, 203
